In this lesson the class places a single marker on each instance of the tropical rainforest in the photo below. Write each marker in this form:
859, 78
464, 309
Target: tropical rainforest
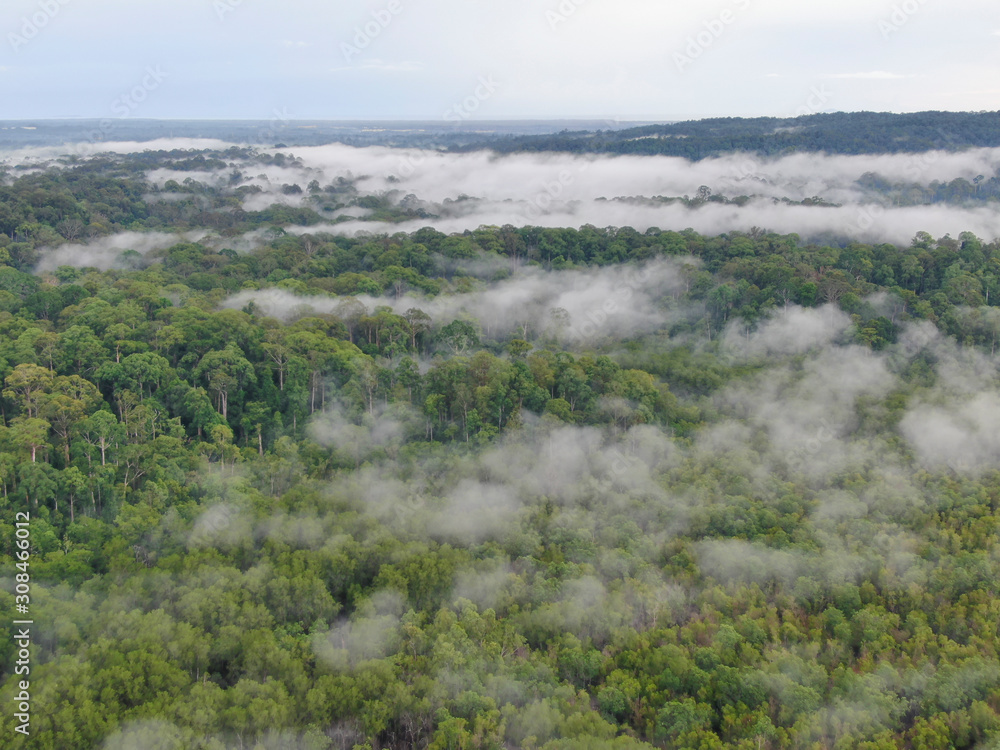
510, 487
833, 132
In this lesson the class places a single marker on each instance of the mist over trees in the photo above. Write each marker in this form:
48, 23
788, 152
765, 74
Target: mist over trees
239, 198
513, 487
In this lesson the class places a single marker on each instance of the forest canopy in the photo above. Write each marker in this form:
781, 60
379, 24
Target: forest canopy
516, 486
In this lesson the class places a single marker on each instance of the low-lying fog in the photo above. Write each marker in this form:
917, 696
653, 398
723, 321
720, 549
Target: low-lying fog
459, 192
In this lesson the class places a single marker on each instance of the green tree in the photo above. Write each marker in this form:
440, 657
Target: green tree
224, 372
28, 384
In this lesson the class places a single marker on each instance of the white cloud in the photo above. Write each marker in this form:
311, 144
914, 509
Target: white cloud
104, 253
613, 302
874, 75
794, 330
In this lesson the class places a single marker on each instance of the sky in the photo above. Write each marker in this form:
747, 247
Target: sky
494, 59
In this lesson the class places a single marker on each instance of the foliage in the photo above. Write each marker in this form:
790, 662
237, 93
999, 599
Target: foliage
352, 526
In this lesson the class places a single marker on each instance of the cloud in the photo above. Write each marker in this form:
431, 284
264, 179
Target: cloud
874, 75
793, 330
159, 734
105, 253
859, 222
90, 148
807, 411
372, 634
386, 429
594, 485
487, 585
580, 306
460, 192
959, 435
222, 525
474, 512
540, 180
583, 607
154, 734
463, 191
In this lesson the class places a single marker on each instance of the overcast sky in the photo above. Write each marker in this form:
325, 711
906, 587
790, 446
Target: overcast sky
494, 59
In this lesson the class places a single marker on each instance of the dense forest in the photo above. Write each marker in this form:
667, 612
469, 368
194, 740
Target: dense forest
280, 127
516, 487
834, 133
